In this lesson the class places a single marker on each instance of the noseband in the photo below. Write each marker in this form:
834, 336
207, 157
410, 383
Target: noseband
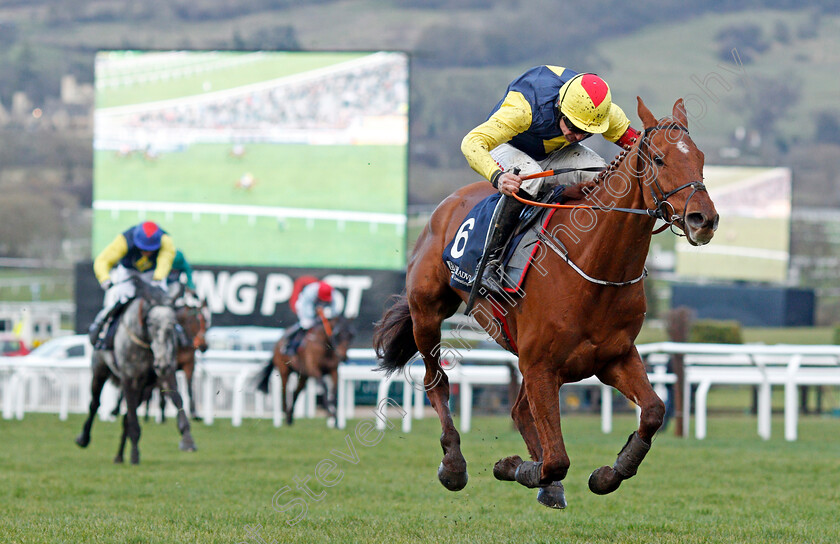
660, 200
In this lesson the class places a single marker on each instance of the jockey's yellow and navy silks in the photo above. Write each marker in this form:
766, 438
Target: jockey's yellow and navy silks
528, 119
123, 251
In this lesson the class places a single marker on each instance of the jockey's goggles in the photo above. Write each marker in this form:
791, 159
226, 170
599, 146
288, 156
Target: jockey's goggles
572, 127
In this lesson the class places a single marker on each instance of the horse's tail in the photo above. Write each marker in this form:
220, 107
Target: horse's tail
261, 380
393, 337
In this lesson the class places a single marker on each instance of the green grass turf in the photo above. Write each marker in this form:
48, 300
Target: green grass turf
732, 487
359, 178
267, 242
221, 74
351, 178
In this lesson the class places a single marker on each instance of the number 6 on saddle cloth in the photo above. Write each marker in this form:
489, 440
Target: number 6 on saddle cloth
463, 253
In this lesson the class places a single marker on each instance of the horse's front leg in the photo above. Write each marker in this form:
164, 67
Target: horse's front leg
552, 495
169, 387
628, 375
333, 393
542, 391
189, 370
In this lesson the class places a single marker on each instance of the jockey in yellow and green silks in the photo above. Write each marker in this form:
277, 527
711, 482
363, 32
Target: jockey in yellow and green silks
145, 249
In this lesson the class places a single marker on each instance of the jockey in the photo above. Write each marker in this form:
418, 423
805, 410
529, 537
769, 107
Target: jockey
316, 296
180, 267
145, 249
537, 126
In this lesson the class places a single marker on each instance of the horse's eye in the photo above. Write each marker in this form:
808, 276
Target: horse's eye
658, 161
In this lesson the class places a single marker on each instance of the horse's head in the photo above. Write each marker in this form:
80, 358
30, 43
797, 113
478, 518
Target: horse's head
195, 320
158, 319
160, 324
670, 167
342, 337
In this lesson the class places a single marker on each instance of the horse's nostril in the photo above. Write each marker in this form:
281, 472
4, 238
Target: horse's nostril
695, 220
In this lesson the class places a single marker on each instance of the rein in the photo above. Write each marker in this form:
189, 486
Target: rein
325, 322
658, 212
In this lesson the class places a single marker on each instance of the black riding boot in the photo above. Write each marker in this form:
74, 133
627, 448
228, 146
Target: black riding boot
103, 317
508, 218
295, 338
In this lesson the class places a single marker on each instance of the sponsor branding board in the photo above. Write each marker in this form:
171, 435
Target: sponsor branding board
260, 296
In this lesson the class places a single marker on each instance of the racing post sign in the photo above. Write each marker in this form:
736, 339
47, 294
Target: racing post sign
260, 296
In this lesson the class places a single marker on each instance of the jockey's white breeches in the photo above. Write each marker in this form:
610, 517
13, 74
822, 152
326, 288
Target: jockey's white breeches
122, 288
571, 156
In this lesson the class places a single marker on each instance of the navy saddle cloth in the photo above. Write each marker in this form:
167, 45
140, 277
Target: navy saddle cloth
463, 252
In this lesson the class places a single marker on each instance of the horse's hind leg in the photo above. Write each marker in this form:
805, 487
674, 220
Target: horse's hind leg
131, 425
100, 376
452, 472
169, 388
628, 375
290, 408
118, 459
116, 411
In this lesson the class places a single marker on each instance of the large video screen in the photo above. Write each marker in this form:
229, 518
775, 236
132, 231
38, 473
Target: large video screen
753, 240
256, 158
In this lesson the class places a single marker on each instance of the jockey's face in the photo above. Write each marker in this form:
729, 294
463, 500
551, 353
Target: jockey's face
147, 254
573, 134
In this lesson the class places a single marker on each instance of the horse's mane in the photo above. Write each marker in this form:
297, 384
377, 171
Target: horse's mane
581, 190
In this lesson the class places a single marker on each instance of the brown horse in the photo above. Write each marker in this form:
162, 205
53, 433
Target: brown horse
581, 311
323, 348
195, 320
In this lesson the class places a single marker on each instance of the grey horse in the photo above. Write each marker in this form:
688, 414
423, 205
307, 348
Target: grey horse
143, 357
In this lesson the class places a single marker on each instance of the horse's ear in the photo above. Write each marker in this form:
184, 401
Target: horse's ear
648, 120
679, 113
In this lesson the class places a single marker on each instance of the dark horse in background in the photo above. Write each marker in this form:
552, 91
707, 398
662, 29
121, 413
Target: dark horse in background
323, 348
143, 357
194, 317
571, 323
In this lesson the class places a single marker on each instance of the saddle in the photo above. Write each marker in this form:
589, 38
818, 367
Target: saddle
463, 252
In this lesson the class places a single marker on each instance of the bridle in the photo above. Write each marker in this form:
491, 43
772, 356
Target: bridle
660, 200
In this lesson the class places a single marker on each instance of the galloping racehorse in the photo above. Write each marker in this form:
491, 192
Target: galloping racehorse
143, 357
579, 317
194, 318
323, 348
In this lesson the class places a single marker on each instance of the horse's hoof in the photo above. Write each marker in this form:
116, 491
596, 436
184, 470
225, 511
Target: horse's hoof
552, 495
118, 460
505, 469
187, 444
197, 418
604, 480
453, 481
331, 423
82, 441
